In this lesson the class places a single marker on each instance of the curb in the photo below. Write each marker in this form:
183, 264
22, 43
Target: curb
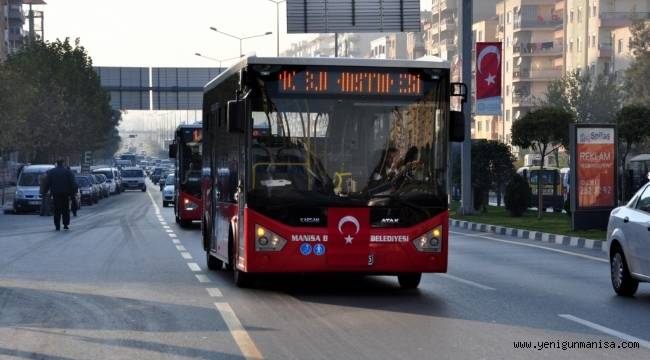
570, 241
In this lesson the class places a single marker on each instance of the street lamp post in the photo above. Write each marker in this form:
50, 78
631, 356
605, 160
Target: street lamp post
277, 25
217, 60
240, 38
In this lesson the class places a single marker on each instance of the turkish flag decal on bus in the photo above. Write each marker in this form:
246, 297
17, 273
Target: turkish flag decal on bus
348, 228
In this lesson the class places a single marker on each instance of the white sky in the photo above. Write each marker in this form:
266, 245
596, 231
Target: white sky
165, 32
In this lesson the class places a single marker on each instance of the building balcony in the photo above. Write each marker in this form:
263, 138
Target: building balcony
548, 48
538, 23
523, 100
620, 19
442, 5
605, 51
448, 25
523, 74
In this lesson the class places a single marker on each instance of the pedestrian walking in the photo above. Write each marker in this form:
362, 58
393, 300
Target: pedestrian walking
61, 184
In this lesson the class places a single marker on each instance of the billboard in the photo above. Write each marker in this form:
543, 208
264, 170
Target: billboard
595, 167
352, 16
593, 172
488, 78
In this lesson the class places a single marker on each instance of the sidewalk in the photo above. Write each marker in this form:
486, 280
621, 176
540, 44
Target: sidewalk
570, 241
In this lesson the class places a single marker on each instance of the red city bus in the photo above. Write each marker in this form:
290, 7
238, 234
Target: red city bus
328, 165
186, 149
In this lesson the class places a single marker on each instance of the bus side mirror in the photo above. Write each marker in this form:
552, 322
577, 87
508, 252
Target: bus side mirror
236, 116
172, 150
456, 126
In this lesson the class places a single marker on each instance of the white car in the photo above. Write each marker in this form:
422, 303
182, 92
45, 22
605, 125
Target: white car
133, 178
628, 241
168, 191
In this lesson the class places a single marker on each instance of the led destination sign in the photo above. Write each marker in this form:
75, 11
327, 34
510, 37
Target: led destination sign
351, 82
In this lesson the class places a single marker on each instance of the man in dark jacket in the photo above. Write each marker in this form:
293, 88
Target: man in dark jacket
61, 184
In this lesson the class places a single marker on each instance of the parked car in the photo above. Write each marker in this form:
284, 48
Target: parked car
27, 196
133, 178
168, 191
112, 176
103, 185
628, 242
87, 189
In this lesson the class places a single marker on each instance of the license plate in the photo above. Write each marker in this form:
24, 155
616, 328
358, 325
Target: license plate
34, 203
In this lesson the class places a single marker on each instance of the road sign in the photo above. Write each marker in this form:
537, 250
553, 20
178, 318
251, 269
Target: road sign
86, 162
352, 16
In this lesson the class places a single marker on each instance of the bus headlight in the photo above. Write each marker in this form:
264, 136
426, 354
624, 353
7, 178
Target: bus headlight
189, 205
266, 240
431, 241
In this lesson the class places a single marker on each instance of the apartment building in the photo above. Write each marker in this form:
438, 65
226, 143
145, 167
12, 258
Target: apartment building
320, 46
532, 34
389, 46
13, 21
589, 28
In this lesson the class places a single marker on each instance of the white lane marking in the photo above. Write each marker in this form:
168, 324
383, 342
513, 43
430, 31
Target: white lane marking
186, 255
533, 246
163, 223
606, 330
467, 282
243, 340
202, 278
176, 241
214, 292
166, 227
194, 267
180, 248
169, 231
172, 235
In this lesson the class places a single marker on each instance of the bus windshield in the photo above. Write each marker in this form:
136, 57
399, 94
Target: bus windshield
349, 150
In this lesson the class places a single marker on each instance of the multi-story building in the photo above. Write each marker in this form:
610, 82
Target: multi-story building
415, 40
532, 35
484, 126
389, 46
13, 22
589, 26
320, 46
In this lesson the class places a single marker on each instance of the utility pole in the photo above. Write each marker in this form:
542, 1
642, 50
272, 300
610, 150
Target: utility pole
466, 152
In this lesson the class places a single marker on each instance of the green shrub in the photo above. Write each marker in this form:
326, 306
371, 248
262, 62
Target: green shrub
517, 197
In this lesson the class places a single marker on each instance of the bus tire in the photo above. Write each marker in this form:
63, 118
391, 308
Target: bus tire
242, 279
409, 280
214, 264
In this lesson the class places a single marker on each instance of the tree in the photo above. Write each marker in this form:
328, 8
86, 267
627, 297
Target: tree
543, 130
633, 126
492, 167
590, 98
64, 109
637, 75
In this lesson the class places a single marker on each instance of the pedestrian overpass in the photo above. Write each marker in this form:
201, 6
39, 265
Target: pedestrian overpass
155, 88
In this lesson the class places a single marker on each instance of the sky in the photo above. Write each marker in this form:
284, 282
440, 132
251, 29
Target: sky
168, 33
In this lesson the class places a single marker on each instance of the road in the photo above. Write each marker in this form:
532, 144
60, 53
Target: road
127, 283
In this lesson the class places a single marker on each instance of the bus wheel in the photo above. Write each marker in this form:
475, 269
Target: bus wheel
409, 281
213, 262
242, 279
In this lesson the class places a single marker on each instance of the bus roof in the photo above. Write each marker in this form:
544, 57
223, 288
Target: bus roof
422, 63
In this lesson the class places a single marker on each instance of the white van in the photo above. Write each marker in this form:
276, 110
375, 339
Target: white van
28, 197
133, 178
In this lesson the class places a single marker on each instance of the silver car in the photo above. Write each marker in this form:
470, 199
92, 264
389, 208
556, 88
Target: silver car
628, 241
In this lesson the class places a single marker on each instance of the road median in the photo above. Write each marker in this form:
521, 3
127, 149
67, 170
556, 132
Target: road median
553, 228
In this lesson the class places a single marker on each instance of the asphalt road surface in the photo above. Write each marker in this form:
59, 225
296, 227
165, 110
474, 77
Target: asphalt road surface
127, 283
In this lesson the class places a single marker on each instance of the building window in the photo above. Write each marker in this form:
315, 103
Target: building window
507, 66
507, 90
571, 45
579, 15
571, 16
593, 41
620, 45
479, 125
507, 115
508, 17
578, 44
593, 10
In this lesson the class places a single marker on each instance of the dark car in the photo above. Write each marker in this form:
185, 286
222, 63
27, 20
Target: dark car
157, 174
87, 189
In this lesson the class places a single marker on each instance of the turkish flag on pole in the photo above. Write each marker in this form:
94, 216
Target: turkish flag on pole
488, 78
